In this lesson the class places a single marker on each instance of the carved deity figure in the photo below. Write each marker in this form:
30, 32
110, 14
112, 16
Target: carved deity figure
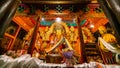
73, 34
45, 34
58, 32
87, 35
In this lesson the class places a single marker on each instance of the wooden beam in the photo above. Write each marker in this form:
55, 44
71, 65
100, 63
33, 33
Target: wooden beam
56, 2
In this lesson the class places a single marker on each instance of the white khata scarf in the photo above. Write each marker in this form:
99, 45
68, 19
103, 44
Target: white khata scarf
109, 46
112, 49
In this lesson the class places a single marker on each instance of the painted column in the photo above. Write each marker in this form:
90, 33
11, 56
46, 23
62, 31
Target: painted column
6, 19
34, 35
111, 9
83, 57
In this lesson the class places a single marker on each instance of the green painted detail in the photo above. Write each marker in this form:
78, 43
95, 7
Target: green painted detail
49, 23
46, 23
71, 8
59, 8
46, 8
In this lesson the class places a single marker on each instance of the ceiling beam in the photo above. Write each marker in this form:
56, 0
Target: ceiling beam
56, 2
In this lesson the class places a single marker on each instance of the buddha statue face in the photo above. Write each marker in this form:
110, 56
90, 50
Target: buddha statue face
59, 29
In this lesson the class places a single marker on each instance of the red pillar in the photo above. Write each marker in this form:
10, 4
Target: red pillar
83, 57
34, 35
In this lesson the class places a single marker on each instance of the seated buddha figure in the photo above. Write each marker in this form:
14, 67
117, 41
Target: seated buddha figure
58, 31
57, 36
73, 34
